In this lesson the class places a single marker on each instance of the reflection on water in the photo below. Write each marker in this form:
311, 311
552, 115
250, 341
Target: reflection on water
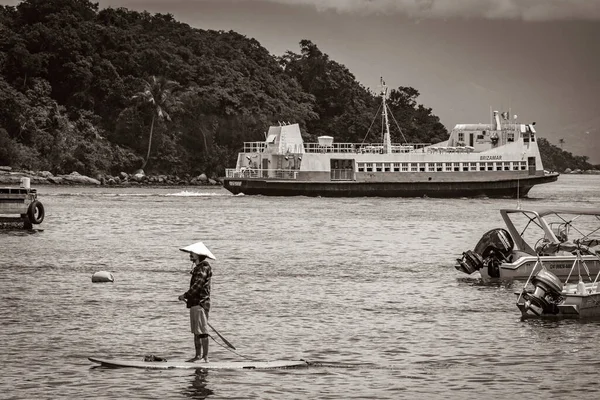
199, 387
364, 289
16, 229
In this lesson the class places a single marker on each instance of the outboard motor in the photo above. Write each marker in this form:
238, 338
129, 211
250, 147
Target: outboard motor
492, 250
546, 296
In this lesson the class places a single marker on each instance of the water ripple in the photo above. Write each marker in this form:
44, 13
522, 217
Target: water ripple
365, 289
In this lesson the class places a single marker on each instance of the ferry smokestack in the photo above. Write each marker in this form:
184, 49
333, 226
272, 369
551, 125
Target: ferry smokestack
496, 125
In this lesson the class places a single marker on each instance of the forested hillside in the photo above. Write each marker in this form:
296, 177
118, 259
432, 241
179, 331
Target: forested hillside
104, 91
556, 159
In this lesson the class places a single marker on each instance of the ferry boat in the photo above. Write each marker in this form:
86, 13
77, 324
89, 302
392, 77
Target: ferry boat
499, 159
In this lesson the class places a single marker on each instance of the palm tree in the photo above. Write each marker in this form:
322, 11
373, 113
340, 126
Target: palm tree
561, 142
160, 93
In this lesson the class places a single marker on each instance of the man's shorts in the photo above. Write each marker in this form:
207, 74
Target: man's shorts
198, 320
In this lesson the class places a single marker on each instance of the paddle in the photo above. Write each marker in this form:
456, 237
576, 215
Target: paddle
222, 338
218, 334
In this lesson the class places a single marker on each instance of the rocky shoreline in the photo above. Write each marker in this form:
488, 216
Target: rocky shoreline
8, 176
581, 171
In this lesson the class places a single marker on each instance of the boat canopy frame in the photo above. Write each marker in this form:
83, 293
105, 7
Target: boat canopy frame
538, 218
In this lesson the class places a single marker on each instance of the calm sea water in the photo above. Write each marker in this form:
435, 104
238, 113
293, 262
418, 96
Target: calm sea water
364, 288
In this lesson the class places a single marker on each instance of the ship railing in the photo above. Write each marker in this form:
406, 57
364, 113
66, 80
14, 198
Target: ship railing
245, 172
409, 147
450, 149
254, 147
361, 148
333, 148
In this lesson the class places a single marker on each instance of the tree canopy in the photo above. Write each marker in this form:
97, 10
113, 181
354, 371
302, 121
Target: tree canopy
69, 72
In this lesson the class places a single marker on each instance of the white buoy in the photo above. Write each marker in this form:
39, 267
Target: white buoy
103, 276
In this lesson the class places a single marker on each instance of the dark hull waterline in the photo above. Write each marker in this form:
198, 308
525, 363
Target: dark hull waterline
503, 188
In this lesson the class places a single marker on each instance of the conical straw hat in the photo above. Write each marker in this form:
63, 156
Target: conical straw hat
200, 249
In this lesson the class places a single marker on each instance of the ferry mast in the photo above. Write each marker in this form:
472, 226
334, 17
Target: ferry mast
387, 141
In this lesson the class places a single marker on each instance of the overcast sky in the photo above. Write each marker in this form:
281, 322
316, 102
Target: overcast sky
540, 59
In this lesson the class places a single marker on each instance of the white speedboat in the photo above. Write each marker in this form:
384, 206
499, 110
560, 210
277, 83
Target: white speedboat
545, 296
551, 236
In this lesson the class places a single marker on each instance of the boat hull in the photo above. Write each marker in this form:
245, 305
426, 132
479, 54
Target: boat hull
561, 266
499, 188
574, 306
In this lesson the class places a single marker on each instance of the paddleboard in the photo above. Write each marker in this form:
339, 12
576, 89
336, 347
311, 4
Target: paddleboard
114, 363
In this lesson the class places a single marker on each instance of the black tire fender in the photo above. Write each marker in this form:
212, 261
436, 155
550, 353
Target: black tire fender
35, 212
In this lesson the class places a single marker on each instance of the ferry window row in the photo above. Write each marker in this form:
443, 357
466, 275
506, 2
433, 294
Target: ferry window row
443, 166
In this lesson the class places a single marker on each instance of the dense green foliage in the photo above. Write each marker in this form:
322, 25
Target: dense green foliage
348, 109
555, 159
71, 80
104, 91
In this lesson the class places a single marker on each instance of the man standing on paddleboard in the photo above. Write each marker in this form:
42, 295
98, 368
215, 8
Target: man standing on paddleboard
198, 298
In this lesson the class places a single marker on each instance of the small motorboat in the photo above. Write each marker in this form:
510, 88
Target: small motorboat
556, 237
545, 296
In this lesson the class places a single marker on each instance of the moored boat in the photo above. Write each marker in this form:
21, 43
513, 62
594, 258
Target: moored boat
555, 237
549, 298
500, 159
21, 205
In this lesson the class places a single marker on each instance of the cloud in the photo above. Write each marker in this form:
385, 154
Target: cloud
527, 10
